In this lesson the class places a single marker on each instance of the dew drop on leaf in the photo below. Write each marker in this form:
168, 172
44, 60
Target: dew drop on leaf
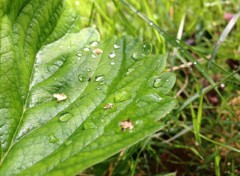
88, 69
138, 56
116, 46
122, 96
86, 49
99, 78
79, 54
111, 55
150, 23
94, 44
65, 117
157, 82
148, 99
80, 77
130, 70
93, 56
112, 63
139, 122
147, 48
134, 55
99, 88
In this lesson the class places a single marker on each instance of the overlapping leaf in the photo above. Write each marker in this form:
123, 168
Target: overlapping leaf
44, 54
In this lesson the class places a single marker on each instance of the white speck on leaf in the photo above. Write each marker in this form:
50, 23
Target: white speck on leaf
60, 97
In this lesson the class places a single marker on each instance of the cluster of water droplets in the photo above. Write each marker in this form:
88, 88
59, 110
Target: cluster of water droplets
112, 54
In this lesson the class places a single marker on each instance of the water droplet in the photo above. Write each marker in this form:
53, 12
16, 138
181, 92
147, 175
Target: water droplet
138, 56
222, 85
99, 87
167, 80
194, 63
112, 63
116, 46
111, 55
147, 47
130, 70
150, 23
157, 82
93, 56
79, 54
121, 96
94, 44
99, 78
81, 77
52, 138
148, 99
65, 117
88, 69
139, 122
86, 49
89, 125
134, 55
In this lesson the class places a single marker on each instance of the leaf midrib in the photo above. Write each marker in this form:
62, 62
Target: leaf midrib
29, 85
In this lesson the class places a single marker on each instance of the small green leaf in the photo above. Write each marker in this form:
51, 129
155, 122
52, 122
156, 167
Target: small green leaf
63, 93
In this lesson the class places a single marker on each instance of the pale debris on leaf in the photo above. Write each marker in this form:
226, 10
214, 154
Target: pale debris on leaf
60, 97
108, 106
126, 124
97, 51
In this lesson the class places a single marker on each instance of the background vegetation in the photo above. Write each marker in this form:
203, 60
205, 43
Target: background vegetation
202, 137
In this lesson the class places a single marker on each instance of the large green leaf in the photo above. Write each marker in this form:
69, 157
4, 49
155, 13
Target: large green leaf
43, 53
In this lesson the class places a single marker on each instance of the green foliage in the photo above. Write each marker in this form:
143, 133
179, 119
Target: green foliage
204, 115
64, 95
